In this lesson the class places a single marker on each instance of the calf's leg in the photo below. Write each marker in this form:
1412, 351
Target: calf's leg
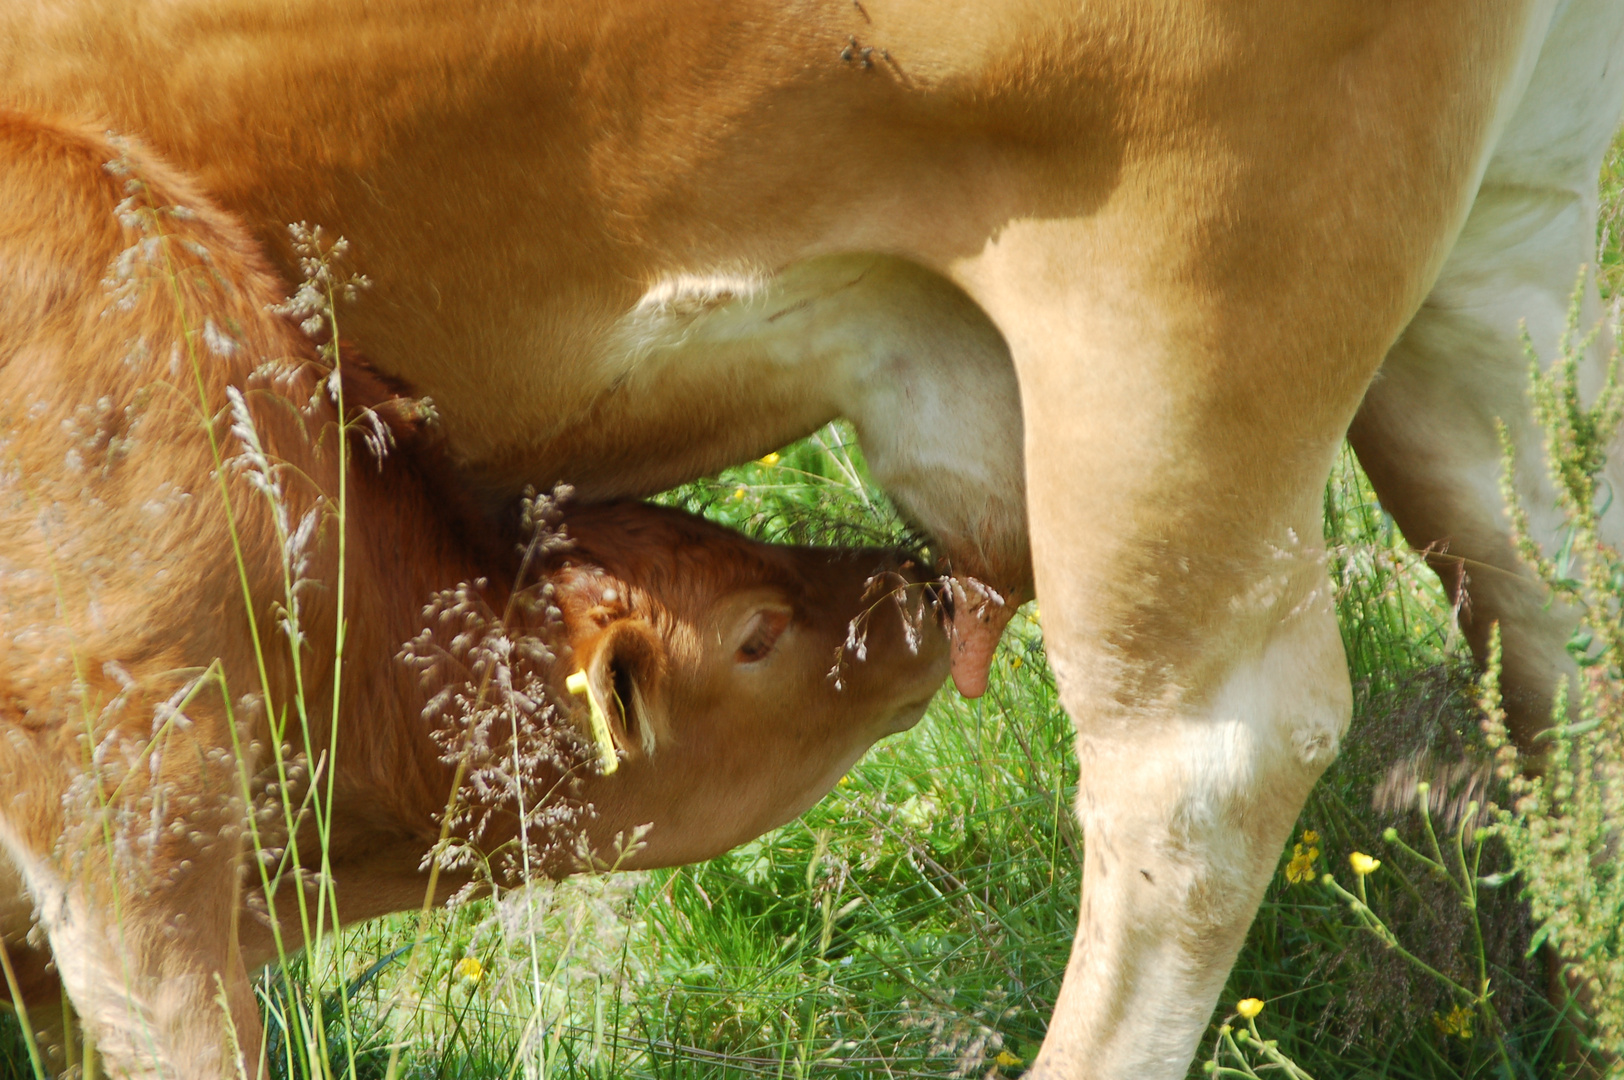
49, 1013
160, 990
141, 922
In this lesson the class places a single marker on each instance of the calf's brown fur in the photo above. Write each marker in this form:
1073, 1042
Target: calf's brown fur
138, 716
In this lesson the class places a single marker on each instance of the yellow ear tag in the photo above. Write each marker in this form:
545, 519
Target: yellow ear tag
608, 760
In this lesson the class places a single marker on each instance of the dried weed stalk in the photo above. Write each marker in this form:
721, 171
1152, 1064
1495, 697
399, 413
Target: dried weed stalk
1562, 825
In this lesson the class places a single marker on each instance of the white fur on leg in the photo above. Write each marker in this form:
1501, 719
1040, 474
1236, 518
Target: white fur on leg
1185, 810
92, 961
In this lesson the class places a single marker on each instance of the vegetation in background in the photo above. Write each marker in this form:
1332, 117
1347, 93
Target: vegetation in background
1610, 227
1562, 824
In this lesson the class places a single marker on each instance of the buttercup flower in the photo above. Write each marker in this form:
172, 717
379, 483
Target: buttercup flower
1363, 864
1458, 1023
1249, 1007
469, 970
770, 459
1310, 837
1301, 866
1007, 1059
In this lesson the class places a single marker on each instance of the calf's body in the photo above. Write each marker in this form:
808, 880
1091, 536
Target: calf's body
179, 585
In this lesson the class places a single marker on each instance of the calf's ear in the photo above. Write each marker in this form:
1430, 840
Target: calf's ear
624, 675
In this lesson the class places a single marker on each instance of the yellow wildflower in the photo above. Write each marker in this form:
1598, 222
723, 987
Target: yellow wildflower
1458, 1023
1310, 837
1015, 663
1007, 1059
738, 493
1301, 866
1363, 864
1249, 1007
771, 459
469, 970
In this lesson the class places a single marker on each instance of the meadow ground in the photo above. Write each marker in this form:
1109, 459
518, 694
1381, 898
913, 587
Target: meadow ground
916, 921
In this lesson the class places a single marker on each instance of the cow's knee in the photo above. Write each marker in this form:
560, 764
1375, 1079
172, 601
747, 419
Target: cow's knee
1186, 803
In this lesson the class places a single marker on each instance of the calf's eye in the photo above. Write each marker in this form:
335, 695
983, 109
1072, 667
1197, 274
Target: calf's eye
762, 634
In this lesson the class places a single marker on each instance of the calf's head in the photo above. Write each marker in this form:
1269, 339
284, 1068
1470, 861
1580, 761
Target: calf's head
739, 679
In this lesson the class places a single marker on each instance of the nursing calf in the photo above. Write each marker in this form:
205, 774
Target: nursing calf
185, 548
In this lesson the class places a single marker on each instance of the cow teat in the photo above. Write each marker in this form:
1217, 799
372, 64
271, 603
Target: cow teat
975, 614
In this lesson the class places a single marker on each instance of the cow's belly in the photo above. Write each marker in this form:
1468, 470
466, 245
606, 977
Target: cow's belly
1532, 224
706, 371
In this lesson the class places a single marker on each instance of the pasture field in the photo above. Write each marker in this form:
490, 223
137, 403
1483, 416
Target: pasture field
916, 921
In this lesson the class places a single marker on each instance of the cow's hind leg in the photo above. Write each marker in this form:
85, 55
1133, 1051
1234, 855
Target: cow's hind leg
1426, 433
1193, 634
1189, 617
1185, 809
1189, 358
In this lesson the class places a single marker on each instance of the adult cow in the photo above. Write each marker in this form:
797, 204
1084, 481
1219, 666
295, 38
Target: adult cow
175, 597
627, 244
